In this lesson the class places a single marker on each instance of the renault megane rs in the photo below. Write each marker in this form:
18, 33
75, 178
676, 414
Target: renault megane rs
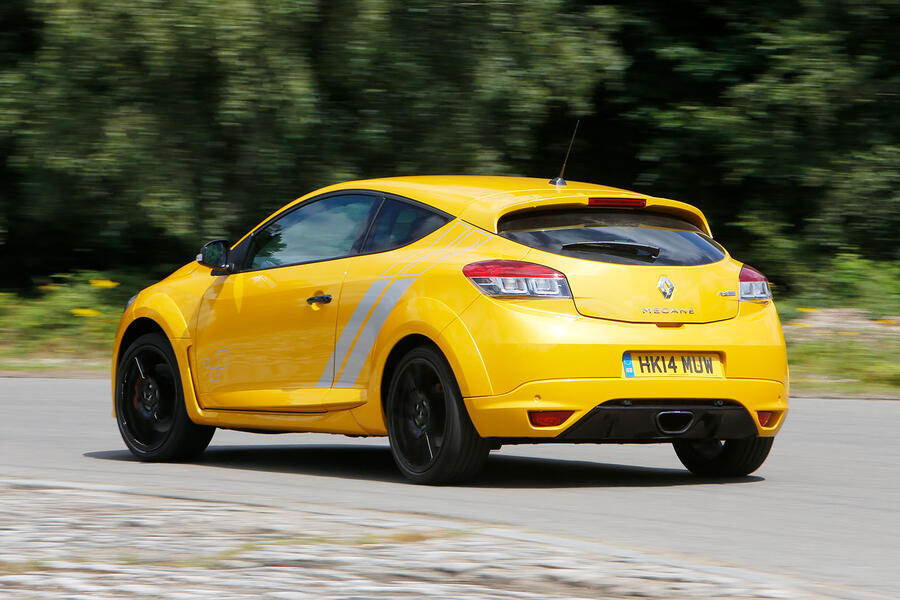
455, 315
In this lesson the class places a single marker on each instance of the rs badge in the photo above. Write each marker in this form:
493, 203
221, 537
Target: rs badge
216, 371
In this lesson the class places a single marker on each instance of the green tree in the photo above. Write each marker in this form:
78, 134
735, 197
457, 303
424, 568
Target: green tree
780, 119
141, 127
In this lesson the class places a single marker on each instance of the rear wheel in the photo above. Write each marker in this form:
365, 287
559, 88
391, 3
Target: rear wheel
150, 404
723, 458
432, 438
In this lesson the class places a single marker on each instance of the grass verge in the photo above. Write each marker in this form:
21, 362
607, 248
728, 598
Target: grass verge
836, 365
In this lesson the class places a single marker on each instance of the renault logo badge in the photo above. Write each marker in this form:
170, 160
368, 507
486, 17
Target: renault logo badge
666, 287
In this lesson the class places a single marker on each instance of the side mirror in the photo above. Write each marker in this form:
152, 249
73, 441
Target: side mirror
215, 254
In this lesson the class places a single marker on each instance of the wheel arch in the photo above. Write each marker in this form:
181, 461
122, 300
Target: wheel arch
459, 350
137, 328
142, 325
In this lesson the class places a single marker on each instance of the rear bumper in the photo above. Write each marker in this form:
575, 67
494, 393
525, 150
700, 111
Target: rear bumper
601, 415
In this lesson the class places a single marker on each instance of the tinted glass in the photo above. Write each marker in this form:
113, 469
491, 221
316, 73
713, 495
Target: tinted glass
328, 228
621, 237
399, 223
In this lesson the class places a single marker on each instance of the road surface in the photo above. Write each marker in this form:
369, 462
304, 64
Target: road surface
825, 508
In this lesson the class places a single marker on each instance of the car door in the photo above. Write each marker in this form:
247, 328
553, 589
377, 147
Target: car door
265, 334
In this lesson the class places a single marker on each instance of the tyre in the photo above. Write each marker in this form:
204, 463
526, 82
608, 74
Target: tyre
728, 458
150, 404
432, 438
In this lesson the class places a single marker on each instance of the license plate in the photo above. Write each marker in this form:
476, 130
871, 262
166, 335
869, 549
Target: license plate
671, 364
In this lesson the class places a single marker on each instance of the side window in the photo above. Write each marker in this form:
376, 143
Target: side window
327, 228
399, 223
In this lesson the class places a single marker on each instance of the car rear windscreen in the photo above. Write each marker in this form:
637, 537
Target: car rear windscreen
624, 237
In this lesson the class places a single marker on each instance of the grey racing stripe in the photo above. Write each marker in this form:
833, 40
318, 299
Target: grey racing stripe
350, 329
366, 339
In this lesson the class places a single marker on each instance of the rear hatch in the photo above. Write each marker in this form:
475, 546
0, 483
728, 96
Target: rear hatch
631, 264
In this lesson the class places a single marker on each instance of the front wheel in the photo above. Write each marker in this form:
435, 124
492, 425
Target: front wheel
723, 458
432, 438
150, 404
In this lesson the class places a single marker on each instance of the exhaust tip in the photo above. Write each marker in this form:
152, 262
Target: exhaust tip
674, 422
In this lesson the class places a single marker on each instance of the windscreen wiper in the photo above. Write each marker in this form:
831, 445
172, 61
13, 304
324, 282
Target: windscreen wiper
630, 249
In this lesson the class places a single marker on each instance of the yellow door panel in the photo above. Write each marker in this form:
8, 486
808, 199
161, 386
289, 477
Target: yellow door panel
257, 331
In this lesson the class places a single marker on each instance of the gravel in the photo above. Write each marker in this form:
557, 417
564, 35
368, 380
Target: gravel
64, 541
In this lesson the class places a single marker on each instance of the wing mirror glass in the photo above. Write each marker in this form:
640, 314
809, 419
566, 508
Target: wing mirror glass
215, 254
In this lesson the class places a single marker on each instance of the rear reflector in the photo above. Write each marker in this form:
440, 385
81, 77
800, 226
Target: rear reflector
764, 417
517, 279
618, 202
549, 418
754, 285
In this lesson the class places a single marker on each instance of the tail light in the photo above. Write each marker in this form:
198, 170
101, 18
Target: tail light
515, 278
754, 285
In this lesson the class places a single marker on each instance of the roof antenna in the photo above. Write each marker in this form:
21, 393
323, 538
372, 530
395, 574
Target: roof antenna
558, 181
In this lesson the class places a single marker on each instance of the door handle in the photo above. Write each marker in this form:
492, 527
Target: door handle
319, 299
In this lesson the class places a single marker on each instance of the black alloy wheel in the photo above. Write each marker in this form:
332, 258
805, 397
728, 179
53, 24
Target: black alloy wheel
150, 407
420, 414
432, 438
723, 458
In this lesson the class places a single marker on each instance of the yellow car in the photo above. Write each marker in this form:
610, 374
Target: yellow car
457, 314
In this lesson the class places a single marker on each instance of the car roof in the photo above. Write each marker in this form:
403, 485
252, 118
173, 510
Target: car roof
482, 200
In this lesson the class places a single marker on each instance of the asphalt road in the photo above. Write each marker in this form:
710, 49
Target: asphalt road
825, 508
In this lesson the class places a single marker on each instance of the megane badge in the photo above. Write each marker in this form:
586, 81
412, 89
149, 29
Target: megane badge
666, 287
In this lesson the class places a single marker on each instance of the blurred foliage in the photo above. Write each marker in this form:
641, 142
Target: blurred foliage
848, 280
130, 132
74, 313
133, 130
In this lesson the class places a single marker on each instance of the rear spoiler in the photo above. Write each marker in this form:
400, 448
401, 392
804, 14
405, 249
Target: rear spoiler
660, 205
